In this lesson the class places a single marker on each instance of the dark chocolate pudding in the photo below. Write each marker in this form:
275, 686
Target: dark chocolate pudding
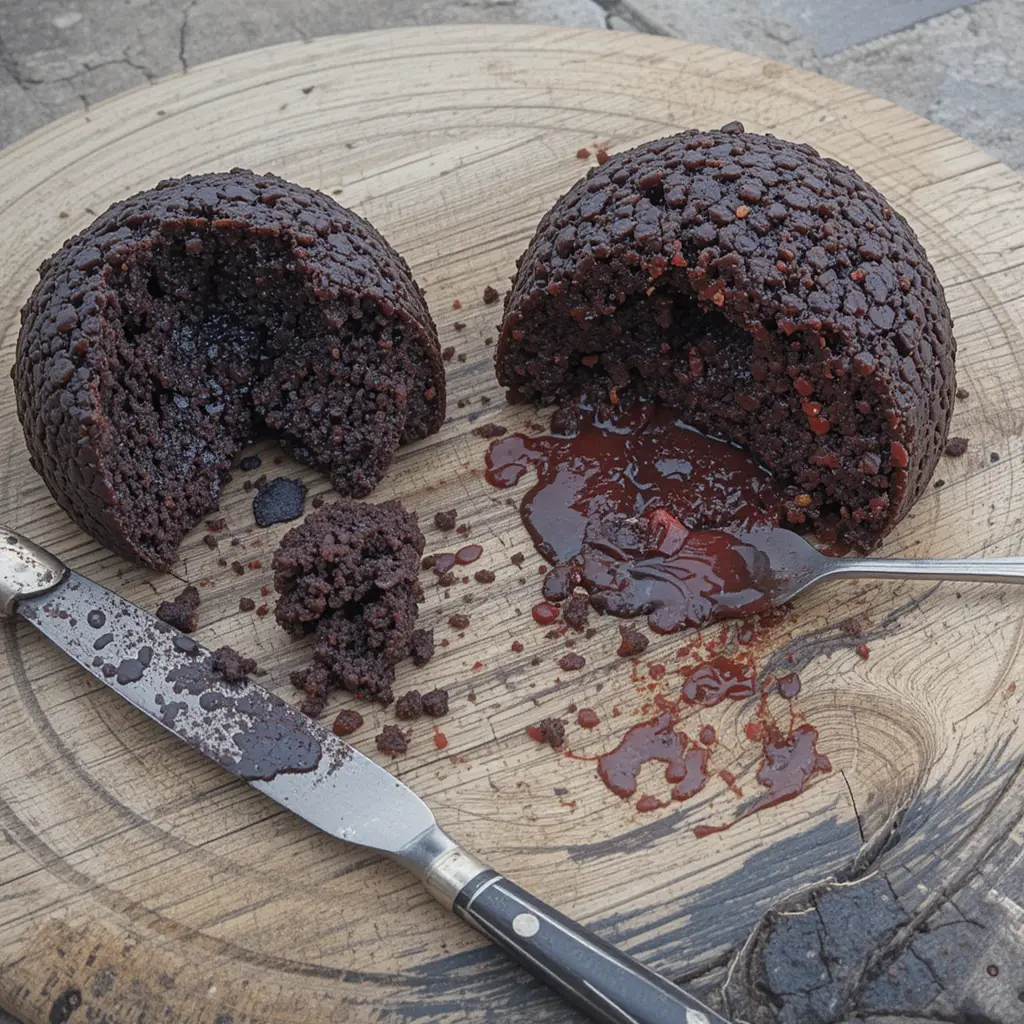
190, 318
768, 295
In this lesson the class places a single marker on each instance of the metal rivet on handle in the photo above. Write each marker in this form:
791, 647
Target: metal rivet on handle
525, 925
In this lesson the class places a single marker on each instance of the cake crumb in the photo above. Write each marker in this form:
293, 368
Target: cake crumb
571, 662
246, 604
422, 646
583, 153
234, 667
448, 353
445, 520
484, 576
459, 621
409, 705
183, 612
347, 722
633, 642
956, 446
491, 295
602, 157
435, 703
548, 730
575, 612
488, 430
391, 740
863, 650
962, 393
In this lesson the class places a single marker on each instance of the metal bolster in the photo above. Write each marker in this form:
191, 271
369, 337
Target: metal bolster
441, 864
25, 570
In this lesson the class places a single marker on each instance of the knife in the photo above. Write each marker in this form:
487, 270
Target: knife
262, 739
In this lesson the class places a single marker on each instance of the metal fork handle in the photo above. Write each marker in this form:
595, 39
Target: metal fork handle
967, 570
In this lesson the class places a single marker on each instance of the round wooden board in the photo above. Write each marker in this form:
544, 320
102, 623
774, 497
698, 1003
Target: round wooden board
140, 875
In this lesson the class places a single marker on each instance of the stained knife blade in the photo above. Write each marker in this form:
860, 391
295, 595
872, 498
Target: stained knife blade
263, 740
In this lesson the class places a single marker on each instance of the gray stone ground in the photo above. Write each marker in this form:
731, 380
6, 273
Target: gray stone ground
961, 65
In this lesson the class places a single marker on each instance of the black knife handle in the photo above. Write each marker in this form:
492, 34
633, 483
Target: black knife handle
606, 984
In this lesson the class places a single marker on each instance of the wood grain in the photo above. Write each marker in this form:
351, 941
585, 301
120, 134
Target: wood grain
139, 876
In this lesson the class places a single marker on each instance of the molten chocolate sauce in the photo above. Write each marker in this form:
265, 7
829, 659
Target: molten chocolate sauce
649, 515
656, 740
790, 760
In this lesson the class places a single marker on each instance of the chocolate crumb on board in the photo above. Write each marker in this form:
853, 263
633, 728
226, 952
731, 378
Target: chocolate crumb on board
183, 612
234, 667
391, 740
864, 651
571, 662
993, 457
346, 722
484, 576
409, 705
211, 541
548, 730
246, 604
446, 520
447, 353
350, 572
279, 501
249, 463
421, 647
575, 612
435, 703
459, 326
491, 295
488, 430
633, 642
313, 681
457, 304
962, 393
956, 446
583, 153
458, 621
517, 558
602, 157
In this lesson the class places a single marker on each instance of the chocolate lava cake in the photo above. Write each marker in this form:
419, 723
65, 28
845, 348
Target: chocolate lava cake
771, 295
192, 317
350, 572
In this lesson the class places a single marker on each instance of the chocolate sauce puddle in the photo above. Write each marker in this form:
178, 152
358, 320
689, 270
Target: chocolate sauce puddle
650, 516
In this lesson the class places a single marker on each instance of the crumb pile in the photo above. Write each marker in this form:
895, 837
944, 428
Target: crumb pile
349, 572
769, 295
190, 318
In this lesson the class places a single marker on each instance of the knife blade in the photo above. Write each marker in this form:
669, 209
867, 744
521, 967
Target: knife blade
268, 743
